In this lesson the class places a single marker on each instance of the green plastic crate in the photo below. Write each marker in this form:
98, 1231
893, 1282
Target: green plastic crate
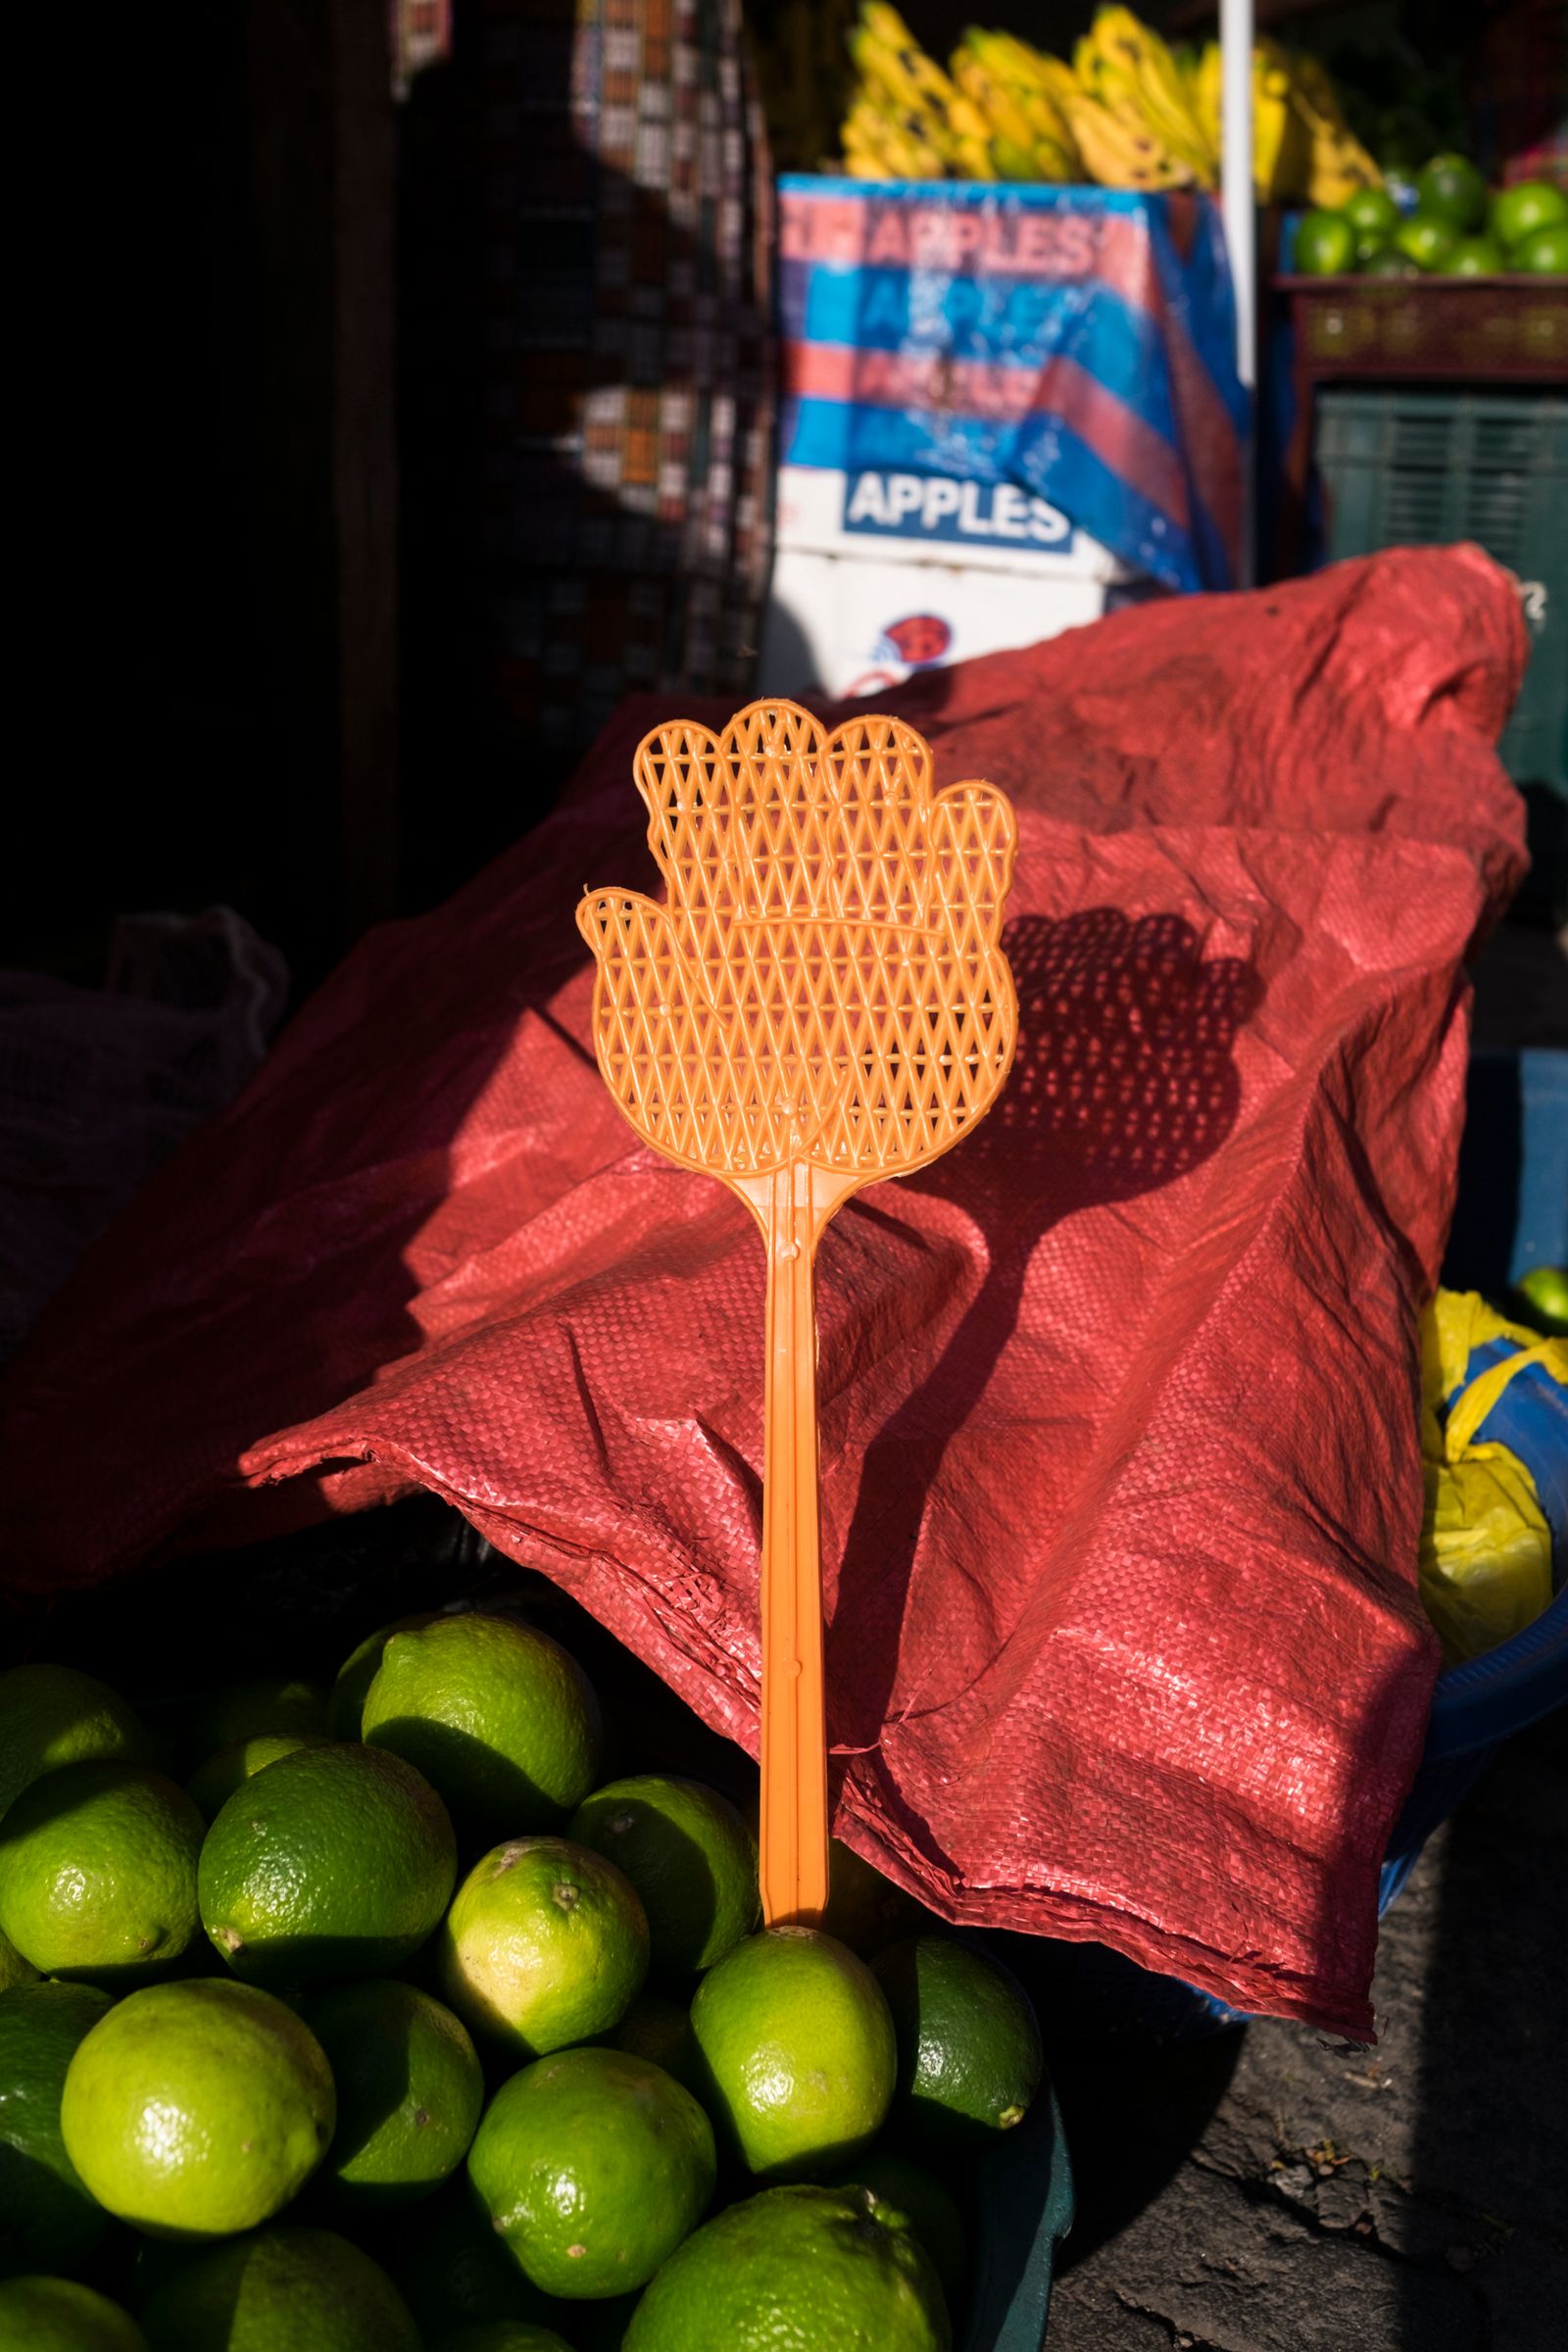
1419, 467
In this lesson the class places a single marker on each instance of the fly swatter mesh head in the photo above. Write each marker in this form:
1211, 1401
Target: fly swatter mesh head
825, 982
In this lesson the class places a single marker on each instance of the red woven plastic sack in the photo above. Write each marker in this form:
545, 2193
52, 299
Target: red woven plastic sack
1120, 1475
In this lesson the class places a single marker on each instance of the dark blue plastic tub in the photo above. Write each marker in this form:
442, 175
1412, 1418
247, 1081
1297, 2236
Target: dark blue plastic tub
1026, 2201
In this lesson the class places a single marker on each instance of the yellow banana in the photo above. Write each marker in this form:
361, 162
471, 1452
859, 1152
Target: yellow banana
1119, 158
1055, 162
1136, 107
997, 102
1131, 59
1281, 147
1207, 93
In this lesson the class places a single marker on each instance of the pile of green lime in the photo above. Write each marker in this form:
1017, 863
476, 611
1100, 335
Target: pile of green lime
1449, 225
395, 2026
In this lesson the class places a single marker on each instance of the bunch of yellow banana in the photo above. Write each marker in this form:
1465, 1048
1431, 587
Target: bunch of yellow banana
1019, 94
1133, 116
1128, 112
1302, 149
985, 119
1337, 162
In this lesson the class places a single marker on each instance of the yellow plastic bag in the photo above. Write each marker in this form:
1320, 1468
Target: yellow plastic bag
1486, 1549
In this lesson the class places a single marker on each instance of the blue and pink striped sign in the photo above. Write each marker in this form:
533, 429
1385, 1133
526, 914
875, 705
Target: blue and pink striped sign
1075, 342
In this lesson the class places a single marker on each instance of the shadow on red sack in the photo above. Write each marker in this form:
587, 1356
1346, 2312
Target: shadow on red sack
1121, 1482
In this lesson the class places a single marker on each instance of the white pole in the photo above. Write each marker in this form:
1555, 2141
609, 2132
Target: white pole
1239, 212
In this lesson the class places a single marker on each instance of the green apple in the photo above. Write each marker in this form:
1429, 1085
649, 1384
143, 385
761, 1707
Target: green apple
1451, 189
1475, 257
1325, 245
1373, 214
1545, 254
1425, 240
1518, 211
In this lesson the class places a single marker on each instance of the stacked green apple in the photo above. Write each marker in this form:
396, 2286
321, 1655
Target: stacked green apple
1457, 228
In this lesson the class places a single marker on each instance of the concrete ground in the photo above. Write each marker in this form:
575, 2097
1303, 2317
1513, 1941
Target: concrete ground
1277, 2190
1313, 2196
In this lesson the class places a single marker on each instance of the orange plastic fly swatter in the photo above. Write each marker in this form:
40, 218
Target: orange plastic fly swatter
821, 1003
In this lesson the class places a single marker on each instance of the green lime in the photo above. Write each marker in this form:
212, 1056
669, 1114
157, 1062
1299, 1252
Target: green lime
1325, 245
969, 2058
1451, 189
1518, 211
795, 2270
1373, 214
1544, 253
258, 1709
359, 1670
504, 2335
282, 2290
52, 1715
198, 2108
48, 2221
798, 2048
593, 2167
452, 2268
409, 2092
98, 1872
659, 2029
1387, 262
13, 1969
335, 1862
930, 2210
212, 1784
60, 2314
1425, 240
691, 1858
497, 1715
1543, 1292
546, 1944
1474, 256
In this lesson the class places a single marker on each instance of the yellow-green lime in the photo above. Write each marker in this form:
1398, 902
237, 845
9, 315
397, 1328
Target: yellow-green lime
336, 1861
359, 1670
13, 1969
48, 2221
931, 2210
970, 2057
691, 1858
409, 2089
61, 2315
795, 2270
52, 1715
258, 1709
287, 2289
798, 2049
98, 1872
451, 2268
199, 2108
1544, 1291
212, 1784
546, 1944
504, 2335
497, 1715
659, 2029
593, 2167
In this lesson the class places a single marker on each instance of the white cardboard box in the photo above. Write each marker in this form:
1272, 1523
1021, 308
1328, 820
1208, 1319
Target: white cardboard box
879, 573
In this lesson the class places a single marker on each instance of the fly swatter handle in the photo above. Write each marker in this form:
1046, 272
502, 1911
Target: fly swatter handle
793, 1823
